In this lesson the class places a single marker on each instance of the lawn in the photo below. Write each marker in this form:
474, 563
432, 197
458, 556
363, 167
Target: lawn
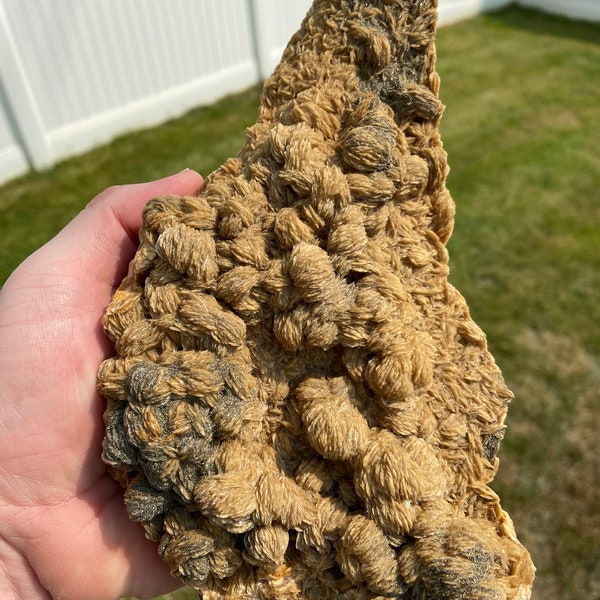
521, 129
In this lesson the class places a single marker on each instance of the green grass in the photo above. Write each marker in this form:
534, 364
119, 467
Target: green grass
521, 129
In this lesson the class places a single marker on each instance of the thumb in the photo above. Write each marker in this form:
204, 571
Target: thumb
99, 242
123, 204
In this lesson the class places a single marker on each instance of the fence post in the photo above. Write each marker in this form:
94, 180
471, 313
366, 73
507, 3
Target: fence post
258, 35
23, 113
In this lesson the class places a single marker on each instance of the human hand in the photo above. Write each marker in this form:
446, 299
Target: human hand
64, 531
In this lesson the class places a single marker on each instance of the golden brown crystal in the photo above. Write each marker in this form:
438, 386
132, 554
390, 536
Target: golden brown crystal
300, 405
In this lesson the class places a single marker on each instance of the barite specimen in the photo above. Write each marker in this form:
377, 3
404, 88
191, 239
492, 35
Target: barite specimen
300, 405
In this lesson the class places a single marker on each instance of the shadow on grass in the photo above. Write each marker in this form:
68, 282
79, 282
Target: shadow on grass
546, 24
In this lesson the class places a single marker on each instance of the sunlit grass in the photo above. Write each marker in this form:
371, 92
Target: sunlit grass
521, 129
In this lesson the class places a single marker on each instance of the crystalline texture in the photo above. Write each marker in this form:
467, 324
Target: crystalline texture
300, 405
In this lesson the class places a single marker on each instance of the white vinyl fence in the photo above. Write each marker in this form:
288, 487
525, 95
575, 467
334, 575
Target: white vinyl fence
76, 73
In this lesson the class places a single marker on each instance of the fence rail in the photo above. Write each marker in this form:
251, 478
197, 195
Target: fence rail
76, 73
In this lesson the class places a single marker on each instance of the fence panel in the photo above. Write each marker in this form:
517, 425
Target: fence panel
274, 24
588, 10
12, 159
452, 11
92, 69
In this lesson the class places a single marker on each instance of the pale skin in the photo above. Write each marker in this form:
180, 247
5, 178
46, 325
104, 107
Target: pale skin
64, 531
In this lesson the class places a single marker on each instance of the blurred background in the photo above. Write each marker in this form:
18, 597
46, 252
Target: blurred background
75, 73
99, 92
